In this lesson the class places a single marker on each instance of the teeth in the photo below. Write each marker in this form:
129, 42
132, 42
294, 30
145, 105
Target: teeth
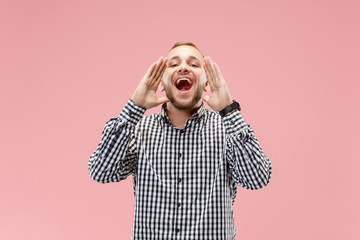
178, 81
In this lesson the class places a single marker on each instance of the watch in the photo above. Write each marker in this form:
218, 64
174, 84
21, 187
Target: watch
229, 108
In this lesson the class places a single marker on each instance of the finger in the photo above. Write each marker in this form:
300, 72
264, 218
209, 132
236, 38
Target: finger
160, 71
210, 75
154, 72
212, 69
214, 73
208, 67
150, 70
158, 77
156, 64
217, 70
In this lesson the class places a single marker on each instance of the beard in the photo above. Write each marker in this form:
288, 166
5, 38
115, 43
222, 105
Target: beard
184, 105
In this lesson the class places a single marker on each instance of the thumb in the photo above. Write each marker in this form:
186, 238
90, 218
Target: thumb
162, 100
206, 98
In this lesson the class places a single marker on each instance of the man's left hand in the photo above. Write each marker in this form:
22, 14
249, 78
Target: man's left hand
220, 95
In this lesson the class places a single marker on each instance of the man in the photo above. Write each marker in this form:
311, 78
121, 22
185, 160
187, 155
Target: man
186, 161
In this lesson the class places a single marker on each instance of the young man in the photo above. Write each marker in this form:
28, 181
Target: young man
186, 161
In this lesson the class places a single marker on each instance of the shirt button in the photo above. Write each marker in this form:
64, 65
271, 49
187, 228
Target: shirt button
181, 130
177, 230
179, 205
179, 180
180, 155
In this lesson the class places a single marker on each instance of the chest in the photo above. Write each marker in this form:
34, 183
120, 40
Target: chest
168, 155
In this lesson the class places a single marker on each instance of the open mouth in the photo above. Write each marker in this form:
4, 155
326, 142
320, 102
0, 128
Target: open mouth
183, 84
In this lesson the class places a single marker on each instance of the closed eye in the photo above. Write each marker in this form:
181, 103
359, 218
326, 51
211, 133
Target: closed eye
193, 65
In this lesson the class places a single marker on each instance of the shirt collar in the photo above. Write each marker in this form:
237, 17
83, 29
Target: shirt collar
197, 115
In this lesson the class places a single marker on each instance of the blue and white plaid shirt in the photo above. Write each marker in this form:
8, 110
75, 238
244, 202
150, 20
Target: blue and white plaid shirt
185, 180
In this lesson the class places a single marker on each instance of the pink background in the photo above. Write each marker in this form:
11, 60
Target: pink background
66, 67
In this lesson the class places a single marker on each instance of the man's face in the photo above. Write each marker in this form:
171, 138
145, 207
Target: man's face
184, 79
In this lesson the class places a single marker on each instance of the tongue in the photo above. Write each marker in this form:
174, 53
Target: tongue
184, 88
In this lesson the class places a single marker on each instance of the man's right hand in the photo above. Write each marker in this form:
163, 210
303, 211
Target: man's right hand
145, 93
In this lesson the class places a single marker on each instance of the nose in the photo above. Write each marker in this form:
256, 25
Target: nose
183, 67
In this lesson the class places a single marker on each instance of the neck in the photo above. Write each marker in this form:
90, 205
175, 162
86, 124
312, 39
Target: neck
177, 116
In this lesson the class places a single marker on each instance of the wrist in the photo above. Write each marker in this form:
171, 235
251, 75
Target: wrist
230, 108
137, 102
132, 112
225, 104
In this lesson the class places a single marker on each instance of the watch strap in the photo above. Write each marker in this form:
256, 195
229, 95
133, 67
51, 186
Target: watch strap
229, 108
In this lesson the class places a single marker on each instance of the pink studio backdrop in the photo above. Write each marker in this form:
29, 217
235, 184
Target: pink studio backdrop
66, 67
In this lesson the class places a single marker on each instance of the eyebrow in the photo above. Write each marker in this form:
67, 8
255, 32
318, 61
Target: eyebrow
191, 56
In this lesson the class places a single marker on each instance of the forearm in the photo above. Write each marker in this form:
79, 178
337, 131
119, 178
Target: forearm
250, 167
115, 156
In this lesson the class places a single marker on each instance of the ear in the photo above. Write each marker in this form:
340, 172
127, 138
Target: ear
207, 87
161, 86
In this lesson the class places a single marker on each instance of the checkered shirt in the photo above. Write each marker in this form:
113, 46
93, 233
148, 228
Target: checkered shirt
185, 180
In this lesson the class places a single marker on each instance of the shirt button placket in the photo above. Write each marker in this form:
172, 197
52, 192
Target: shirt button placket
180, 179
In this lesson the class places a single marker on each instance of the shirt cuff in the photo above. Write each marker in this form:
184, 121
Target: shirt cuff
234, 124
131, 112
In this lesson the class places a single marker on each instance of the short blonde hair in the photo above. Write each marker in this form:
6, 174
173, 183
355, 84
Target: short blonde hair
185, 43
